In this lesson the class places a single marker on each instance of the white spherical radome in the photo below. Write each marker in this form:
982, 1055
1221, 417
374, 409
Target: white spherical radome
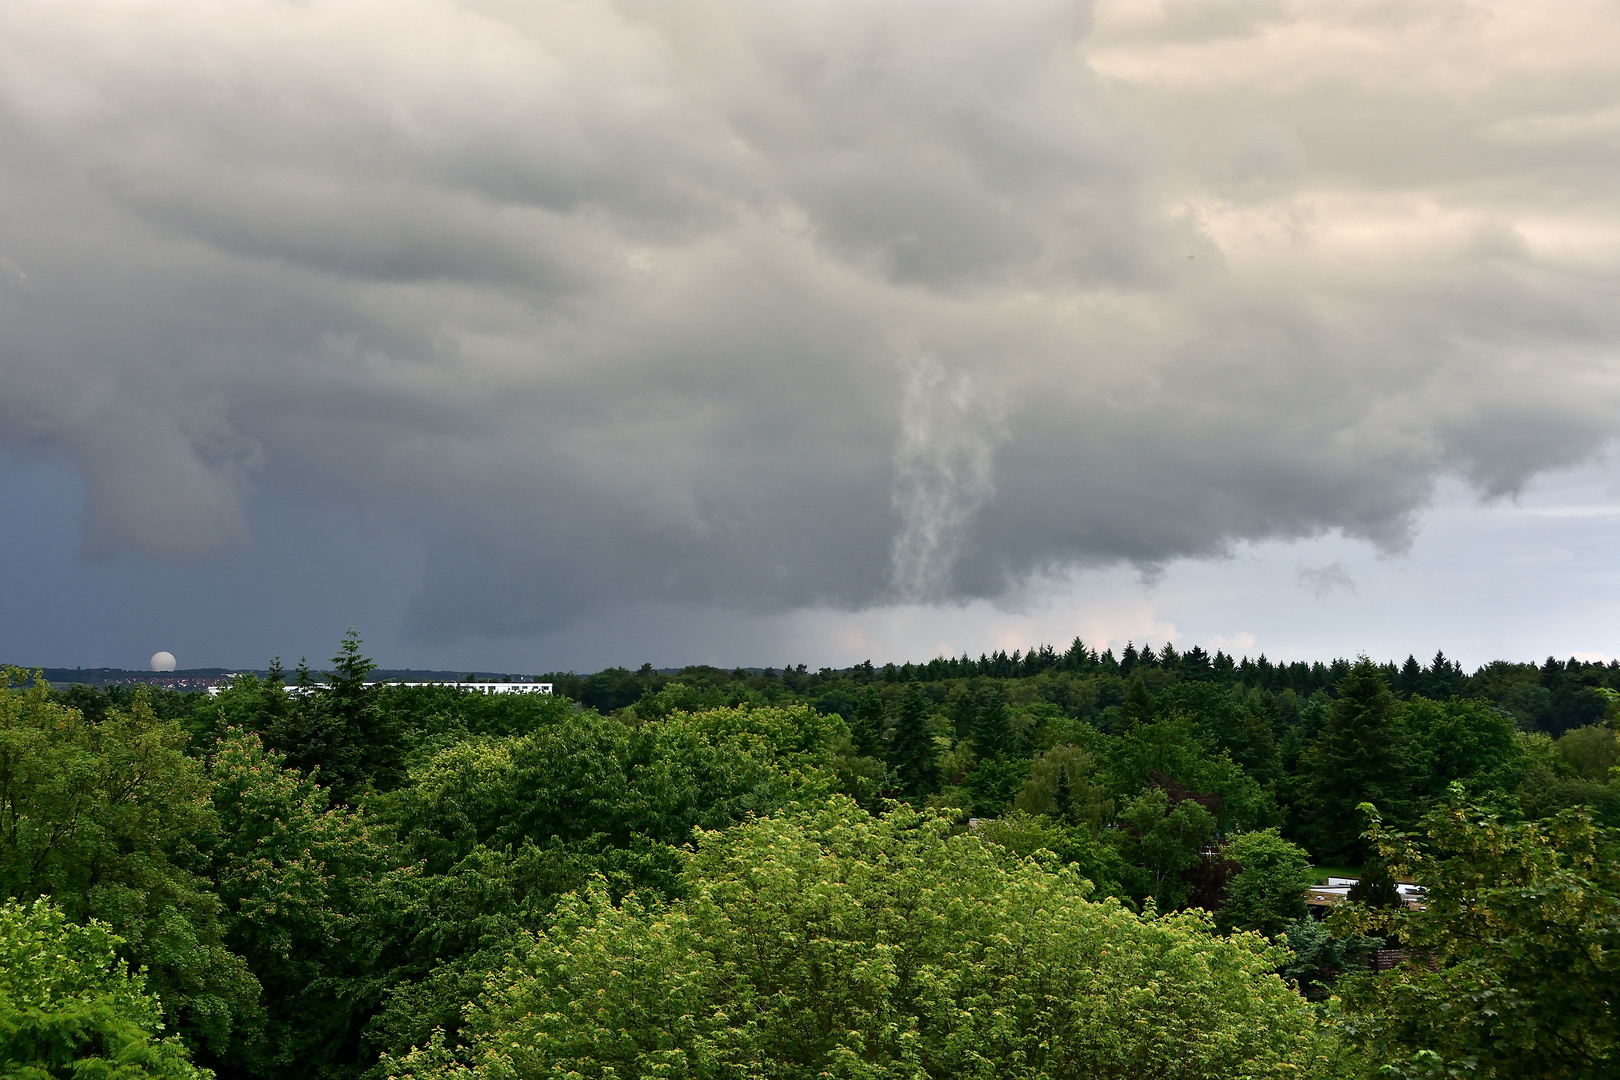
163, 661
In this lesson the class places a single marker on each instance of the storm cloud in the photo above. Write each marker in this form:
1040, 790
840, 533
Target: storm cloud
784, 306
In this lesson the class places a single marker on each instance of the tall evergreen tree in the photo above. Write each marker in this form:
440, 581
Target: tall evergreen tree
867, 729
338, 729
965, 709
912, 753
1064, 796
1138, 707
992, 725
1411, 678
1360, 756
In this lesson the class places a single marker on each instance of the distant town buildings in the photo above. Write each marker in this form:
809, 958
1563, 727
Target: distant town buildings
469, 687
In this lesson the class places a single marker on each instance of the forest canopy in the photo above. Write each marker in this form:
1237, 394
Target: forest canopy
1043, 864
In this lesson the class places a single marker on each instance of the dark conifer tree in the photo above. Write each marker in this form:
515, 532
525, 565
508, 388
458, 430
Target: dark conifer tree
867, 729
965, 709
1411, 678
912, 753
1139, 706
992, 725
336, 730
1065, 797
1360, 756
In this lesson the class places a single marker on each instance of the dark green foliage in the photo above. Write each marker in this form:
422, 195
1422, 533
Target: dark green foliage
336, 730
1376, 887
1164, 841
292, 874
1064, 796
1462, 740
1361, 756
609, 690
303, 914
1321, 957
866, 730
992, 725
995, 782
913, 756
106, 818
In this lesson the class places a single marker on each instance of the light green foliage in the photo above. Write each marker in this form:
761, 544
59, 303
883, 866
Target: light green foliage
69, 1008
1089, 803
1591, 751
589, 775
1268, 891
1024, 835
1164, 842
106, 818
1514, 973
676, 697
833, 943
504, 826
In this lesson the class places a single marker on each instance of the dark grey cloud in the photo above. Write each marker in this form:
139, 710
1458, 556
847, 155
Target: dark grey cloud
778, 306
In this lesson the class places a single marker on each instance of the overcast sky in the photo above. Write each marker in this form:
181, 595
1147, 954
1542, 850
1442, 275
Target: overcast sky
534, 336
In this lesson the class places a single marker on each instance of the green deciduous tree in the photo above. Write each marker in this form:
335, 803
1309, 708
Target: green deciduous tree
1164, 840
1591, 751
1513, 971
838, 944
1461, 740
106, 819
70, 1008
1268, 891
294, 876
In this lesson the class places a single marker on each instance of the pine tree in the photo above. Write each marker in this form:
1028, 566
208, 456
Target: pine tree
867, 729
992, 725
912, 753
1361, 756
1138, 707
1065, 797
1411, 678
964, 709
337, 728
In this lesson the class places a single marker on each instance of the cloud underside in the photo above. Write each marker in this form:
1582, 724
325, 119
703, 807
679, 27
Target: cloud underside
816, 304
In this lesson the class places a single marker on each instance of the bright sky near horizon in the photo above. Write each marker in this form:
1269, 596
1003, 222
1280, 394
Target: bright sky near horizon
528, 337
